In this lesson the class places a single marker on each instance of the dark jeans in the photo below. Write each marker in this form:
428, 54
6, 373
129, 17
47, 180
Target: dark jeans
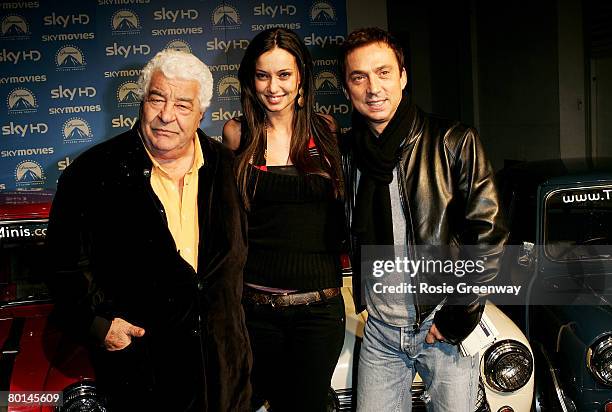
295, 350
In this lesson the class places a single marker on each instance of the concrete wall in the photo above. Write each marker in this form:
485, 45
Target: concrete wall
366, 13
518, 93
572, 104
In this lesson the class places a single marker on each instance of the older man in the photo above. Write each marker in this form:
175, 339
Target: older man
418, 180
147, 240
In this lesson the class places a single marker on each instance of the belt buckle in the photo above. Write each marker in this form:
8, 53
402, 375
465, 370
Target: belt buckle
274, 301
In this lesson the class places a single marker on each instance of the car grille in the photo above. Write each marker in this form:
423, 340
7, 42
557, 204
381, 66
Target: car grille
418, 405
345, 396
481, 398
347, 401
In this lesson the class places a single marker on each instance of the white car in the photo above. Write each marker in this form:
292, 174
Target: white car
506, 364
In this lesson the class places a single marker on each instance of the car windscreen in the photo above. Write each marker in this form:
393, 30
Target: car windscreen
22, 261
578, 223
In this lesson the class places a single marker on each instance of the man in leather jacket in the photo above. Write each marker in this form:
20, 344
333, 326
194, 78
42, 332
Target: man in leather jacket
147, 241
413, 179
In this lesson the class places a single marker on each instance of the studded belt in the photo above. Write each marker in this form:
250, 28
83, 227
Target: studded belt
289, 299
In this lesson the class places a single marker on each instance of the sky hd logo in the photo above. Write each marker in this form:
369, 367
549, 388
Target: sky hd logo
225, 17
65, 20
164, 14
69, 58
125, 22
323, 13
77, 130
29, 174
21, 100
14, 27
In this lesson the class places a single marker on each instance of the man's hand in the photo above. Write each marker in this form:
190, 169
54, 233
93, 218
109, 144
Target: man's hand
433, 335
120, 334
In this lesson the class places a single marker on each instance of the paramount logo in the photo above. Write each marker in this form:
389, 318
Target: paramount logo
323, 13
77, 130
14, 27
125, 22
21, 100
326, 82
127, 95
179, 45
229, 88
69, 58
225, 17
29, 174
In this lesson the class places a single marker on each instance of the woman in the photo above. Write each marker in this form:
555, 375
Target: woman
289, 175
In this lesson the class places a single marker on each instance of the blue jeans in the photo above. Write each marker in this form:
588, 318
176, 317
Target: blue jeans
389, 358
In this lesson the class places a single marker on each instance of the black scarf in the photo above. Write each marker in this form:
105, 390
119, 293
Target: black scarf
376, 157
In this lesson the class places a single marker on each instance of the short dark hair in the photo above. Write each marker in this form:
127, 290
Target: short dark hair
365, 36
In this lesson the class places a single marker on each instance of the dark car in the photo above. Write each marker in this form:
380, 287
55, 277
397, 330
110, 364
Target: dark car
39, 366
560, 215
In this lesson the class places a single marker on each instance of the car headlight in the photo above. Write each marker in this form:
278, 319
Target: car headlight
508, 365
82, 397
599, 359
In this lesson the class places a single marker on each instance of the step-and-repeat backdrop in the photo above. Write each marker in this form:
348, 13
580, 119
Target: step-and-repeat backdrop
68, 69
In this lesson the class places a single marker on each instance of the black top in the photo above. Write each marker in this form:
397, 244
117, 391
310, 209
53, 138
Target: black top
295, 230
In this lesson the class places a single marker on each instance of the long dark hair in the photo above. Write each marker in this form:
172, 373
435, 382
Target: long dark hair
306, 122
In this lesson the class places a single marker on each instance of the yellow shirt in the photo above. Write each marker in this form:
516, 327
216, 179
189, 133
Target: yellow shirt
181, 212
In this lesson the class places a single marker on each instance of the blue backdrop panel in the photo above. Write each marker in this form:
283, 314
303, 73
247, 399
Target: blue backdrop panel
68, 70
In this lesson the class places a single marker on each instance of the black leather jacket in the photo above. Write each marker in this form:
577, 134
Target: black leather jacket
449, 198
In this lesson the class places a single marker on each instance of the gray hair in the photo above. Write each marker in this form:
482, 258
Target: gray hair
176, 64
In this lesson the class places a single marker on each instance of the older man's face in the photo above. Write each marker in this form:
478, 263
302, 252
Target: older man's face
170, 116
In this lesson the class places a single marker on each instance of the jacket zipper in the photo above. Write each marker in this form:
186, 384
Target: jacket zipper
411, 245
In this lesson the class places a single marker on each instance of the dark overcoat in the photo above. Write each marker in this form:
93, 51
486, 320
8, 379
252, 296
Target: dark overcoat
113, 256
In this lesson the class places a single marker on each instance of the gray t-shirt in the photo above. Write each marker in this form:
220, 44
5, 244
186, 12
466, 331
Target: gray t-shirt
395, 309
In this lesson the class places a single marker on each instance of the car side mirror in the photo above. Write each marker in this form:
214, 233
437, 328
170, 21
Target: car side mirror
525, 257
